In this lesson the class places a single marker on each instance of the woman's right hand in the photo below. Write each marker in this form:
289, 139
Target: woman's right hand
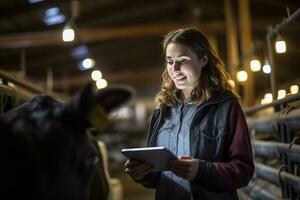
137, 170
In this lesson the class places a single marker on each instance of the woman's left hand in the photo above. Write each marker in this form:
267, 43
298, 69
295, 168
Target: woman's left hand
185, 167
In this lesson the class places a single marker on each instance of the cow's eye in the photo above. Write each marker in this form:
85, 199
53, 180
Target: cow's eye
89, 164
92, 160
95, 159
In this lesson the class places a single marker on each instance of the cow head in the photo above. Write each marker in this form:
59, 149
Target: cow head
45, 149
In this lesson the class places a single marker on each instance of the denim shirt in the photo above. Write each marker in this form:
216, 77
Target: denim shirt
174, 134
219, 137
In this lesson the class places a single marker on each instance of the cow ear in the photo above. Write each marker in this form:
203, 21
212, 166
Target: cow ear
105, 101
82, 103
113, 97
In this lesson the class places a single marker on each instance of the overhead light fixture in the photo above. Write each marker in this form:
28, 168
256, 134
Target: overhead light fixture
34, 1
101, 83
68, 34
53, 16
280, 45
96, 75
88, 63
255, 65
268, 97
294, 89
267, 67
281, 94
242, 76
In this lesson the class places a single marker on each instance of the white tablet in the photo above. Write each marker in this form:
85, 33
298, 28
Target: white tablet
156, 156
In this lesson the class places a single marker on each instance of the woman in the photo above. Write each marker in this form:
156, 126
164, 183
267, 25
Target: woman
200, 120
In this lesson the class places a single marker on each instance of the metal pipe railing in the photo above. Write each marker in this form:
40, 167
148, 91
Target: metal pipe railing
269, 124
273, 175
282, 124
258, 192
274, 149
267, 173
285, 100
264, 125
284, 23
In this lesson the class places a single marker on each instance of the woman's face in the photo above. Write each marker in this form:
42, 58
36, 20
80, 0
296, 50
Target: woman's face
184, 67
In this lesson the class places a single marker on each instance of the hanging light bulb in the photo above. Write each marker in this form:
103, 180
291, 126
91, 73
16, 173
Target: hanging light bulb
263, 101
68, 34
280, 45
255, 65
281, 94
267, 67
88, 63
268, 97
294, 89
242, 76
96, 75
101, 83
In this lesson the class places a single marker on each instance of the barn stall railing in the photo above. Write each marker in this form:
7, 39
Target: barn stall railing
276, 149
16, 90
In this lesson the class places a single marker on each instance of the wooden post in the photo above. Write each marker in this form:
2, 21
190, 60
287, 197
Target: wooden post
23, 62
213, 42
232, 41
246, 46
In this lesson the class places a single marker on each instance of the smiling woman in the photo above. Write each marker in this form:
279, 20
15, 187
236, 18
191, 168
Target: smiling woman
184, 68
208, 131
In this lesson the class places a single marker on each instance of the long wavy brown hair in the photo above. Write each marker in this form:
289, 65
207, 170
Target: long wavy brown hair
213, 79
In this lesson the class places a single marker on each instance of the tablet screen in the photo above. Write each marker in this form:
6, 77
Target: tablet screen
156, 156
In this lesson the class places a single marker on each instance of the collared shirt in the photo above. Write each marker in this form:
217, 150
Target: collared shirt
174, 134
226, 164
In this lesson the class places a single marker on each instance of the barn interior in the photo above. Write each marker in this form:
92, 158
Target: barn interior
118, 43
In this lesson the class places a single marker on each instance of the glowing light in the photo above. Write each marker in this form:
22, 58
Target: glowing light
242, 76
52, 16
50, 12
68, 34
35, 1
255, 65
267, 69
281, 94
96, 75
280, 46
294, 89
102, 83
88, 63
268, 98
263, 101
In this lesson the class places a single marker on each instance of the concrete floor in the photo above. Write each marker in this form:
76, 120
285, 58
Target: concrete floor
134, 191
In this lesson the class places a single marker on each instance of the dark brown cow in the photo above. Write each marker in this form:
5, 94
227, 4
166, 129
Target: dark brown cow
46, 153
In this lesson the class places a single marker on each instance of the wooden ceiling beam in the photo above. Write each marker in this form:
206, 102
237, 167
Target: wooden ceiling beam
49, 38
52, 38
153, 74
26, 8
